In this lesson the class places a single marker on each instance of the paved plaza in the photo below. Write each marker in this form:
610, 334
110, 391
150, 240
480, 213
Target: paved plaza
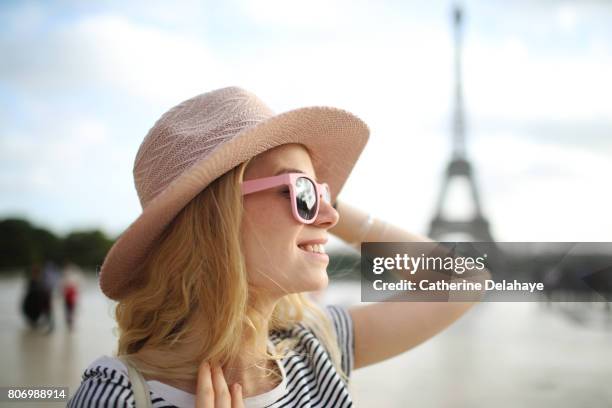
499, 354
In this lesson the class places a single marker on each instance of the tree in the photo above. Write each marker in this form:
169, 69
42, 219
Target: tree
18, 247
22, 245
87, 248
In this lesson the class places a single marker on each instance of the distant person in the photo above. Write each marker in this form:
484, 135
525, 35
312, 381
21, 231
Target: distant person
71, 275
50, 277
211, 279
36, 299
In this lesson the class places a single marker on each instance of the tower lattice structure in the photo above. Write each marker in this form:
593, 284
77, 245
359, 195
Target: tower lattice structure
477, 226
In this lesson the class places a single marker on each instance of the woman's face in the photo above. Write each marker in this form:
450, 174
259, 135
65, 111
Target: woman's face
271, 236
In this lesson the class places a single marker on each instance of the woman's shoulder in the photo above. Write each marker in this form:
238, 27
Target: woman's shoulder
105, 381
307, 337
338, 316
341, 320
309, 342
107, 367
108, 362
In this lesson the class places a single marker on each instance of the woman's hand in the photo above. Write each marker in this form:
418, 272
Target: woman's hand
212, 390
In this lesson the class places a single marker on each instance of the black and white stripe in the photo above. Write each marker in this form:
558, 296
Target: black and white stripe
312, 380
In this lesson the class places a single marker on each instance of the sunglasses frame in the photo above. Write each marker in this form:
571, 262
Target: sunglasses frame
289, 179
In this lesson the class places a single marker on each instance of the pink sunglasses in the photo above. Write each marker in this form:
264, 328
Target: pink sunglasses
305, 193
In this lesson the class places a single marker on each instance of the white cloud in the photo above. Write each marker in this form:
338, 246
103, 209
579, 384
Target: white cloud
312, 15
566, 17
544, 191
74, 175
146, 61
512, 81
108, 50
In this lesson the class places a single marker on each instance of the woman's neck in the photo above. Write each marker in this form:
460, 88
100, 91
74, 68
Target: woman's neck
252, 372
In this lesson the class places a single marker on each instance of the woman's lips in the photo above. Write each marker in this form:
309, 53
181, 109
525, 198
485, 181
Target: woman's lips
315, 255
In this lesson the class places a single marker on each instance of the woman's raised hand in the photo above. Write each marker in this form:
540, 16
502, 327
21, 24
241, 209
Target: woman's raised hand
212, 390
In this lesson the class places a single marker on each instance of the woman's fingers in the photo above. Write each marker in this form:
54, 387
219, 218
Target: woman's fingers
237, 401
205, 394
236, 392
212, 390
223, 398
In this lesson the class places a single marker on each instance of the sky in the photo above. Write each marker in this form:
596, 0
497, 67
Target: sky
81, 83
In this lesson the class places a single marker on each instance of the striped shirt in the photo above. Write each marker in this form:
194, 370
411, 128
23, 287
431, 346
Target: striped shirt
309, 377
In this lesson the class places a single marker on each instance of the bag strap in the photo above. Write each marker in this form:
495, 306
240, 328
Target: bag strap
139, 385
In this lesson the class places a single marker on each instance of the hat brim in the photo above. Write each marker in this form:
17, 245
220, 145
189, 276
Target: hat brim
335, 139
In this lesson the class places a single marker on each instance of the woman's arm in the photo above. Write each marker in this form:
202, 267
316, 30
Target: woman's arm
386, 329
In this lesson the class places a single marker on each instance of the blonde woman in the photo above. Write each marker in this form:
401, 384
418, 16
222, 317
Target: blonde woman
211, 278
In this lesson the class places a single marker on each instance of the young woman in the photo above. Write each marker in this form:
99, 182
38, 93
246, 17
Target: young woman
211, 280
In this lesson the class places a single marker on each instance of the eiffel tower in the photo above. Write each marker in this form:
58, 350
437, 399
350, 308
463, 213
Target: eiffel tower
459, 167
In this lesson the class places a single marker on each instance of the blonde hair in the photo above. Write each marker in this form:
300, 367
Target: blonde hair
195, 304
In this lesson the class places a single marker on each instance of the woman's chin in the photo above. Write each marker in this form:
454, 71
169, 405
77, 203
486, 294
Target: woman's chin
319, 282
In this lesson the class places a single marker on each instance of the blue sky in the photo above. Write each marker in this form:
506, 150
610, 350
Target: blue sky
82, 82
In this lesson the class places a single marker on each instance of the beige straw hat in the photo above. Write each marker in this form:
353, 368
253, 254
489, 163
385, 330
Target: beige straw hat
204, 137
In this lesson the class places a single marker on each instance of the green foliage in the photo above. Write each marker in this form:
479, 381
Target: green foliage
17, 246
22, 244
86, 248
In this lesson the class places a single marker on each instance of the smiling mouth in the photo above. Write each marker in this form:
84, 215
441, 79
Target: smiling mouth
315, 248
315, 256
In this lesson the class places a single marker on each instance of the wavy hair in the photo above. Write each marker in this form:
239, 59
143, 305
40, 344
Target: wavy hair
195, 304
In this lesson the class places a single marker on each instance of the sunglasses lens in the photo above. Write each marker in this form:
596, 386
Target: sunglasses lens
306, 198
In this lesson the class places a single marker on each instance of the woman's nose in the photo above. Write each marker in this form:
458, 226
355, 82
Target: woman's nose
328, 216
